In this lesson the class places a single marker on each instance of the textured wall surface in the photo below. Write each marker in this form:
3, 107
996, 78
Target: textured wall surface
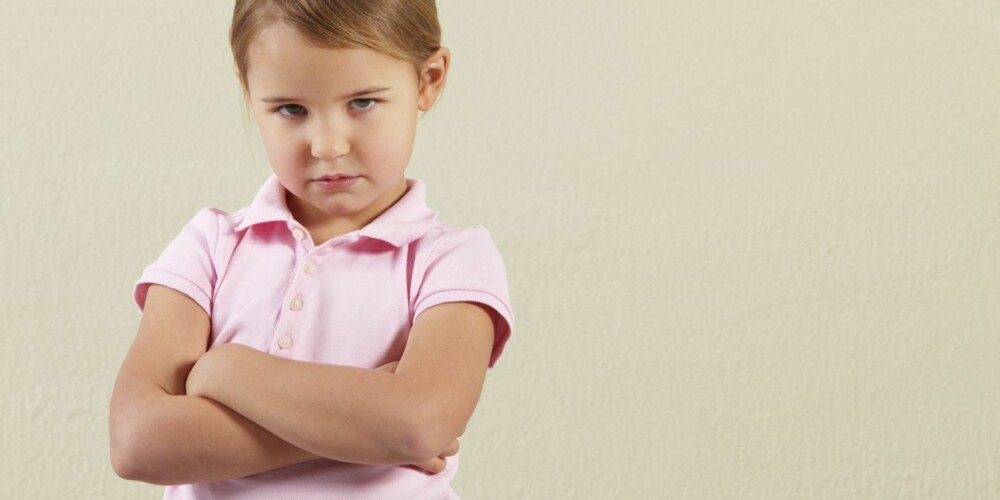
753, 247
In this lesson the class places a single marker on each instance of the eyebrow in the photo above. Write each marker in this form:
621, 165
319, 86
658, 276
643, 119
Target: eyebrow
370, 90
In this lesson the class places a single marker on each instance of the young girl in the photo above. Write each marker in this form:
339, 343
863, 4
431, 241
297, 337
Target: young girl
331, 339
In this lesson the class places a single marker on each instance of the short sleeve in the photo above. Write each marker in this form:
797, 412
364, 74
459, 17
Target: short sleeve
465, 266
187, 264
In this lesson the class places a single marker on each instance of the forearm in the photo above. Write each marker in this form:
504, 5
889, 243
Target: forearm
358, 415
338, 412
166, 439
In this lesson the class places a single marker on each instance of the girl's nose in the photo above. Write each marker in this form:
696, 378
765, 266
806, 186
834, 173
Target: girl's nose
330, 146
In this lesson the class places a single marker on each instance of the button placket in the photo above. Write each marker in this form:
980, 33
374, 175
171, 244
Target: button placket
285, 341
296, 302
310, 267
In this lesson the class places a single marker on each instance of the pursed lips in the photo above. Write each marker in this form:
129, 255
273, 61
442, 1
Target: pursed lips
335, 177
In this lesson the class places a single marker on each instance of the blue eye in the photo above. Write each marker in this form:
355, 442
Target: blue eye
290, 110
362, 104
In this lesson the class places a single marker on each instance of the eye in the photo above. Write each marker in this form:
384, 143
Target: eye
290, 110
362, 104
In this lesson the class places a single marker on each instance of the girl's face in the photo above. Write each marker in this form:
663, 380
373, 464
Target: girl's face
338, 124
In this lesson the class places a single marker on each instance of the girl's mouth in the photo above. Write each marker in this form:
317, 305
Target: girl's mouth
336, 182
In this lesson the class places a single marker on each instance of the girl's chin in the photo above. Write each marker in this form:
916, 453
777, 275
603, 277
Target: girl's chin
314, 210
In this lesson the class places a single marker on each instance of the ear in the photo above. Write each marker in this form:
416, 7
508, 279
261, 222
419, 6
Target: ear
433, 74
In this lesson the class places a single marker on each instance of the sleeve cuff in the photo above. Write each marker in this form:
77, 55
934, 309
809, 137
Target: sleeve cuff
156, 277
503, 320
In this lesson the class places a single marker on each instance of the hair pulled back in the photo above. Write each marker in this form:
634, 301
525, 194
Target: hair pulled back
405, 29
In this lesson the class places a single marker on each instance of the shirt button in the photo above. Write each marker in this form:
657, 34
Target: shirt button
298, 234
285, 341
296, 303
309, 267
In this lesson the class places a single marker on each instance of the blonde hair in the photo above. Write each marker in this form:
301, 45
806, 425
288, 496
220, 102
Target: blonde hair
405, 29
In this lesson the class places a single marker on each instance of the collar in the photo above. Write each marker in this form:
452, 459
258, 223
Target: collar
267, 206
401, 224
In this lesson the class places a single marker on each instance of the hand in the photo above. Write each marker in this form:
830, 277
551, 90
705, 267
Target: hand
209, 368
437, 464
199, 375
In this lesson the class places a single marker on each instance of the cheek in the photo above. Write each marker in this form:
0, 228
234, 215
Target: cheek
393, 141
281, 147
392, 153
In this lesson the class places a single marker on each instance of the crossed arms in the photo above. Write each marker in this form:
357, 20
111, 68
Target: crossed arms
181, 414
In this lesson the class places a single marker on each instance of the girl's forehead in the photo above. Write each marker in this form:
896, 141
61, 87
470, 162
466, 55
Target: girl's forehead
274, 37
280, 58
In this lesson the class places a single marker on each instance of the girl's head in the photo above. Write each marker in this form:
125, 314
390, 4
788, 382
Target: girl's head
335, 87
403, 29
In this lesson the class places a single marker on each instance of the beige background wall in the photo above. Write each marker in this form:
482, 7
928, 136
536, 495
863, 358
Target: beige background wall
753, 246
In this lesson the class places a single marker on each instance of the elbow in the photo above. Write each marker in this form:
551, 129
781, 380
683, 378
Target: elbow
122, 447
126, 463
131, 457
427, 433
136, 467
125, 468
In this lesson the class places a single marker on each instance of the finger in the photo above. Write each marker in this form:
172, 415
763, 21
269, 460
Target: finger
451, 450
388, 367
432, 466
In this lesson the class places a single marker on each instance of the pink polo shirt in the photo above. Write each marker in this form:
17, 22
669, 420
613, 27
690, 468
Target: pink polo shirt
349, 301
